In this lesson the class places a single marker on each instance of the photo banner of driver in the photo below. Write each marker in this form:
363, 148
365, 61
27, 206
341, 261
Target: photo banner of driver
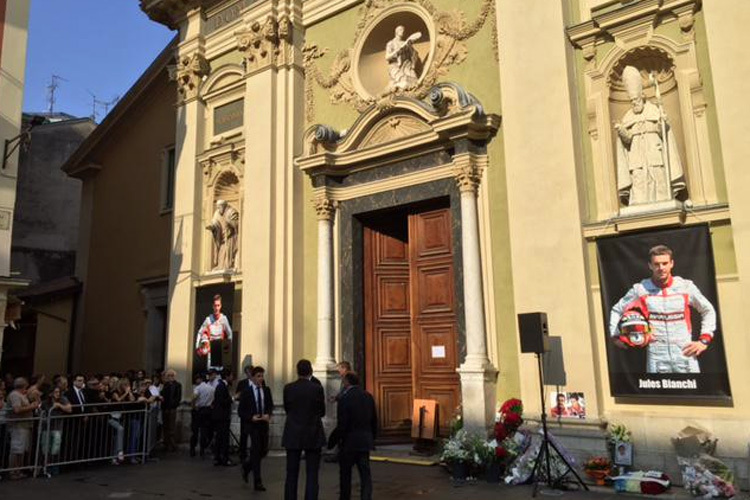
213, 337
661, 315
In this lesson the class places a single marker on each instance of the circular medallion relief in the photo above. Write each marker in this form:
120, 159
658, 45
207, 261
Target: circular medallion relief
394, 52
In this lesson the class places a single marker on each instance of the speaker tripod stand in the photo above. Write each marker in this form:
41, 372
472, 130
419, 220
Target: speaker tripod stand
543, 472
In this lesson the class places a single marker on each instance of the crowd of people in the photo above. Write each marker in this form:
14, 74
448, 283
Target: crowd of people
87, 417
120, 401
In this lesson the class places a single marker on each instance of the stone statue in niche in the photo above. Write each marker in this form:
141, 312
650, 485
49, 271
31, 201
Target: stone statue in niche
224, 227
402, 59
649, 169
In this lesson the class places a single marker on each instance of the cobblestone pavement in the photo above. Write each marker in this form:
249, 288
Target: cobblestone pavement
180, 477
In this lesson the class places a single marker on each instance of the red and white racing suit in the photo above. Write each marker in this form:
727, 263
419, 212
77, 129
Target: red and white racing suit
214, 329
669, 317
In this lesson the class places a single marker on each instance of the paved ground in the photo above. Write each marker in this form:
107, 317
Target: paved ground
181, 477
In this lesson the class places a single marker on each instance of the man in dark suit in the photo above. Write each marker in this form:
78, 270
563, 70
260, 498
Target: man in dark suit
221, 415
244, 424
255, 410
305, 405
357, 427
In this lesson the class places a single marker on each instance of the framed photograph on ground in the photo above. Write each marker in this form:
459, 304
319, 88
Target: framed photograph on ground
662, 325
623, 453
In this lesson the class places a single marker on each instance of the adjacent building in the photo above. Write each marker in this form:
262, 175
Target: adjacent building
14, 22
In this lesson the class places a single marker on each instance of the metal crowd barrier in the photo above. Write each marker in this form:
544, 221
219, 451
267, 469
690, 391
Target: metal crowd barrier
51, 440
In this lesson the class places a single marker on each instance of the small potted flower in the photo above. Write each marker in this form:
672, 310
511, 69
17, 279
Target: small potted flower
458, 455
598, 469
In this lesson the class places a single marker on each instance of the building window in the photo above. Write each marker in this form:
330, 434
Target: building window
167, 180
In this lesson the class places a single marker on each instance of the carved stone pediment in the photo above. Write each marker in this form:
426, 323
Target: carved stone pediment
228, 157
398, 126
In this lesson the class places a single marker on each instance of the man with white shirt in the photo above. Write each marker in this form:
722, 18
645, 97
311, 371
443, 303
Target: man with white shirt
203, 397
256, 408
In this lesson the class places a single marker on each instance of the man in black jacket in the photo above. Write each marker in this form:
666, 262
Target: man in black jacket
172, 397
221, 415
357, 427
244, 424
255, 410
305, 405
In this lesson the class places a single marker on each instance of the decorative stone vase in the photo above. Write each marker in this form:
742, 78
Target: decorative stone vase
493, 472
598, 475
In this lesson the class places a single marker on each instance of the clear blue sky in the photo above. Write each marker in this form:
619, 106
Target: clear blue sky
98, 46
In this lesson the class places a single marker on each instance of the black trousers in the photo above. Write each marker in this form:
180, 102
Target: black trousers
347, 460
258, 432
244, 434
221, 440
312, 465
204, 427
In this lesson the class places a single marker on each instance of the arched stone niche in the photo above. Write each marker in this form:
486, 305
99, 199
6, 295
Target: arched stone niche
632, 36
371, 76
657, 62
223, 178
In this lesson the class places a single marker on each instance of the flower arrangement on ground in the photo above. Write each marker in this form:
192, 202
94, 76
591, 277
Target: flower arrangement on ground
598, 468
463, 453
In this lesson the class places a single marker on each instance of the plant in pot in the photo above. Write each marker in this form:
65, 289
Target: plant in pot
598, 468
458, 455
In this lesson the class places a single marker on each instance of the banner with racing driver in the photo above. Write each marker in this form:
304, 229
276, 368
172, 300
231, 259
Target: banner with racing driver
213, 344
661, 315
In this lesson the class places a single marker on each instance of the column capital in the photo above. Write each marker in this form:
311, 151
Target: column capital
468, 169
267, 43
325, 207
189, 73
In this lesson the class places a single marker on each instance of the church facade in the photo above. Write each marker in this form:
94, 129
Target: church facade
393, 182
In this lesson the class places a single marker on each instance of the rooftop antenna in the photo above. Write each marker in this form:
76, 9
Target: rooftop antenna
51, 89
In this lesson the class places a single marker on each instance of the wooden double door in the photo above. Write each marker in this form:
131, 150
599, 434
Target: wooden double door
411, 338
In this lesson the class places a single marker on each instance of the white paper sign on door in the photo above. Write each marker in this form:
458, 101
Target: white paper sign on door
438, 351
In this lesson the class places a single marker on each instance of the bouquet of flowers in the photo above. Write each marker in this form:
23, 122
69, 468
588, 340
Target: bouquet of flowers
597, 463
618, 433
456, 449
707, 477
456, 422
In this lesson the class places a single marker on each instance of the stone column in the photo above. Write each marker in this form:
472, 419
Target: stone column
478, 376
189, 72
325, 361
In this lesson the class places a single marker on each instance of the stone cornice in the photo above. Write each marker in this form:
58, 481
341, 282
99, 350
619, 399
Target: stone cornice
169, 12
315, 11
618, 23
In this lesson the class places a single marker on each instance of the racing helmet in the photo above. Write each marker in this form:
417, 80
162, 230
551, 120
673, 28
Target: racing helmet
634, 328
204, 346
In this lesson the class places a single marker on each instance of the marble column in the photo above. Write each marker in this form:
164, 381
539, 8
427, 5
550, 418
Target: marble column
325, 361
478, 376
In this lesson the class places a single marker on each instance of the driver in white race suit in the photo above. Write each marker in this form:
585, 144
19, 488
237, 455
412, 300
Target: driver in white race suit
213, 331
667, 300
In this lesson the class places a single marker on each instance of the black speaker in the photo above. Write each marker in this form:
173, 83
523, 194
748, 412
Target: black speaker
534, 332
554, 364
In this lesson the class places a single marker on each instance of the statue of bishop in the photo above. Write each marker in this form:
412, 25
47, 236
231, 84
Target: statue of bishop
649, 169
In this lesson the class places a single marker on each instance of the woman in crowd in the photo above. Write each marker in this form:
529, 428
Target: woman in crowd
143, 399
121, 398
57, 405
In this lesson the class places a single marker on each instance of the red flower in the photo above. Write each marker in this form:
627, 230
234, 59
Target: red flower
501, 452
501, 432
512, 406
512, 420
